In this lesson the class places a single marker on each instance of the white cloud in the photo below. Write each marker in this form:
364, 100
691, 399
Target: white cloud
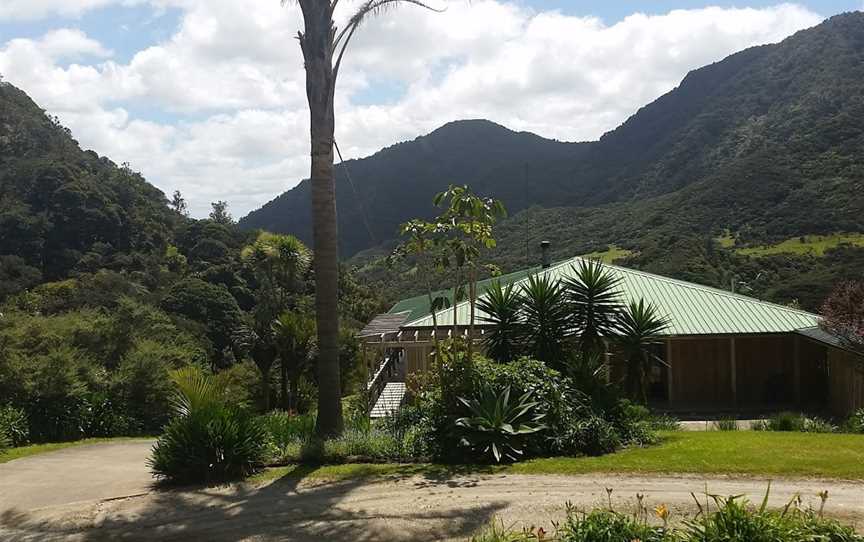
37, 9
232, 74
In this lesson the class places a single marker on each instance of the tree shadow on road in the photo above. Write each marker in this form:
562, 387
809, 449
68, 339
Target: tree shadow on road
286, 509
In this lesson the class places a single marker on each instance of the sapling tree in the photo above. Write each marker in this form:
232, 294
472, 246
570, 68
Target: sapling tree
467, 223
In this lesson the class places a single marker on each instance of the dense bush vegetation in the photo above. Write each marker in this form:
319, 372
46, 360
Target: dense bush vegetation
729, 519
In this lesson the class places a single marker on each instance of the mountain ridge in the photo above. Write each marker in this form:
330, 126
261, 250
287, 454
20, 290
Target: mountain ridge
764, 145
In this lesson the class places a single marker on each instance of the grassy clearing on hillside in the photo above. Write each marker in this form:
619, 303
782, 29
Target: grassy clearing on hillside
807, 245
735, 452
610, 255
35, 449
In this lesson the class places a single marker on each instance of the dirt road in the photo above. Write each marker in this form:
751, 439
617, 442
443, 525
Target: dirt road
414, 508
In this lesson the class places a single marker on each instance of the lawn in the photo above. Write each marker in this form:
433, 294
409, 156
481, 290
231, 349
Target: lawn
34, 449
715, 452
611, 255
813, 245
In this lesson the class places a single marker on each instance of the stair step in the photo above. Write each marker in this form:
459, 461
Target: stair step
389, 401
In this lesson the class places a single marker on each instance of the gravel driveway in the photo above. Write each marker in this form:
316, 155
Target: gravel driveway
46, 493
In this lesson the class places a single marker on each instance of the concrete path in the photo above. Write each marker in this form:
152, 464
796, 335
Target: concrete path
81, 473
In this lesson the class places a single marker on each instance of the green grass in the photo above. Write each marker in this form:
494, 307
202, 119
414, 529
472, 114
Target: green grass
610, 255
35, 449
808, 245
714, 452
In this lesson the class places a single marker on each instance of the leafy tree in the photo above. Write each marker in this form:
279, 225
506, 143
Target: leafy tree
219, 213
178, 203
638, 330
323, 49
16, 275
279, 261
209, 304
466, 223
843, 314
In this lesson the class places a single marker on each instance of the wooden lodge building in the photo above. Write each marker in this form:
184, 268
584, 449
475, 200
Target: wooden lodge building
725, 353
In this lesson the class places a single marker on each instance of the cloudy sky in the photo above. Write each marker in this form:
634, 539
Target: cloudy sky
206, 96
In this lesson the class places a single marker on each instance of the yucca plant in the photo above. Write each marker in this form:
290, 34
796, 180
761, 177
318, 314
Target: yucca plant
547, 319
497, 426
210, 438
594, 300
502, 305
638, 329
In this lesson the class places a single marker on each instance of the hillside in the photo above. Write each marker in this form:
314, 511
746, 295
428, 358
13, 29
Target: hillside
766, 144
398, 182
65, 210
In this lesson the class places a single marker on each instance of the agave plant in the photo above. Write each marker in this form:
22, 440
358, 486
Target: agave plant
498, 426
502, 306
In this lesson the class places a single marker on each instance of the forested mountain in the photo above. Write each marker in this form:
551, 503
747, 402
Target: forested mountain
766, 145
398, 182
106, 287
63, 209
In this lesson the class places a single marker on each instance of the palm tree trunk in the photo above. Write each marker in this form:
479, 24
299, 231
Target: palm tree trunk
265, 389
316, 43
283, 386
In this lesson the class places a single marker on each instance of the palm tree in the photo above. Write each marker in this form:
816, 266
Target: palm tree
323, 48
295, 344
279, 261
503, 307
638, 330
547, 321
594, 299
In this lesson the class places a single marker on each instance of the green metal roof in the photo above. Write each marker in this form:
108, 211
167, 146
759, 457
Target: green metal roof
692, 309
418, 307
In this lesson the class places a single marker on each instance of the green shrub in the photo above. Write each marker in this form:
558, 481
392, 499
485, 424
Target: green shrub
855, 422
818, 425
13, 426
56, 385
498, 425
760, 425
211, 438
786, 421
594, 436
790, 421
726, 424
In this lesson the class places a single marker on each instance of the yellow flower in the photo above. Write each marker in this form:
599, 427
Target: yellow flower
662, 512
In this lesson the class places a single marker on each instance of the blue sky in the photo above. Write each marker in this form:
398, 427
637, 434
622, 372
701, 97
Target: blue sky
206, 96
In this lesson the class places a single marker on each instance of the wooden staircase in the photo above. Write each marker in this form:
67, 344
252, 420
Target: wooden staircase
389, 401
